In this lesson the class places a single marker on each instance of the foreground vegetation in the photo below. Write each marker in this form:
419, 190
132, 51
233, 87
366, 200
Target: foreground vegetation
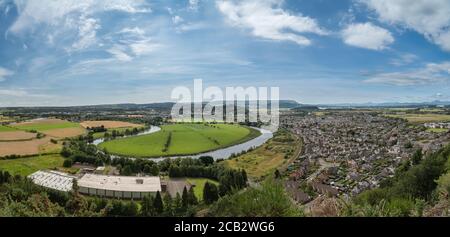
420, 187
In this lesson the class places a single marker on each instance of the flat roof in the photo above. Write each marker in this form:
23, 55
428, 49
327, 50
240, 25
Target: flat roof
53, 180
121, 183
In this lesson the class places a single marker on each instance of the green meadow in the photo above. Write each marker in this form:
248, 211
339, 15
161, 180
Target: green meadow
47, 126
29, 165
181, 139
6, 129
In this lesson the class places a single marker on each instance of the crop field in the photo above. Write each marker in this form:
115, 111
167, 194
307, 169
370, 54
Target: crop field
16, 135
52, 127
200, 185
31, 147
422, 118
181, 139
109, 124
29, 165
275, 154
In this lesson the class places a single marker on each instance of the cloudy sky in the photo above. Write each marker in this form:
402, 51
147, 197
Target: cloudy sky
76, 52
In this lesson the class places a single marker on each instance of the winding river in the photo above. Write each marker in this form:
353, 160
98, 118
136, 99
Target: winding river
224, 153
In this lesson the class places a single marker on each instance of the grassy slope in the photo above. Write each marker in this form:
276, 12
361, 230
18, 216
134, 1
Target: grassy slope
199, 185
265, 159
26, 166
186, 139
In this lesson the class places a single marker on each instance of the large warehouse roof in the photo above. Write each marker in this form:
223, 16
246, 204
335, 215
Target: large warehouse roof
53, 180
120, 183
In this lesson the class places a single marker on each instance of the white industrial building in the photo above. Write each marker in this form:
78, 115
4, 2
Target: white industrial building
118, 186
53, 180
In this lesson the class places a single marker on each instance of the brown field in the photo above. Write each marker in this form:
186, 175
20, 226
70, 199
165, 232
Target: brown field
65, 132
16, 135
109, 124
23, 147
40, 121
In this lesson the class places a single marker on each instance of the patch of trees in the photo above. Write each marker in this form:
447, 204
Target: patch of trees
78, 151
229, 179
97, 129
130, 167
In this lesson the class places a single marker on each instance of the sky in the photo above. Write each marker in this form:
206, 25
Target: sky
83, 52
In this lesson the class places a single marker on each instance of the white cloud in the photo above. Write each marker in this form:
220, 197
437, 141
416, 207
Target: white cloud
5, 73
118, 52
404, 59
177, 19
87, 32
8, 92
193, 4
431, 73
428, 17
266, 19
68, 17
367, 35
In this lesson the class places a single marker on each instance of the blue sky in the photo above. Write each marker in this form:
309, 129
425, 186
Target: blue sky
69, 52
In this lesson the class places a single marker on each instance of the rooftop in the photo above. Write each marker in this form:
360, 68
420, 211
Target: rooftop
120, 183
53, 180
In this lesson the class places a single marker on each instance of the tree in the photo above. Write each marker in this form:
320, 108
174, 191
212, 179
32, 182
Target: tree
277, 174
127, 171
417, 157
185, 198
67, 163
147, 206
206, 160
191, 197
210, 193
158, 204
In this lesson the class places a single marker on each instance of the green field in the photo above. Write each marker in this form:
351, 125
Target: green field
6, 129
47, 126
200, 185
98, 135
186, 139
437, 130
26, 166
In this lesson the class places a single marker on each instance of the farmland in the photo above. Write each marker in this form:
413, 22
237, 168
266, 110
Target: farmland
52, 127
45, 125
263, 161
109, 124
26, 166
181, 139
421, 118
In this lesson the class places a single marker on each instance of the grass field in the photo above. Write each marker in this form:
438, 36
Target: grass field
199, 185
6, 129
186, 139
26, 166
437, 130
421, 118
46, 124
275, 154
